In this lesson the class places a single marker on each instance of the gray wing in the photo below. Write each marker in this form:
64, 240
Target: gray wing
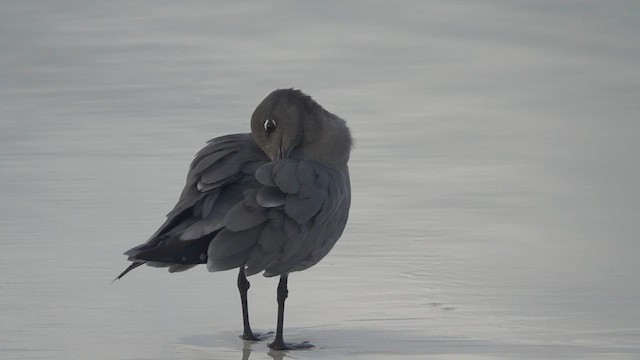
217, 179
288, 223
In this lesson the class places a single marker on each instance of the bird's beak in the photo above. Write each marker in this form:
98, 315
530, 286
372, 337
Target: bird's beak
282, 154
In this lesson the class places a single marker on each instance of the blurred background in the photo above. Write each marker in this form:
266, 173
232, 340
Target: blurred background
495, 176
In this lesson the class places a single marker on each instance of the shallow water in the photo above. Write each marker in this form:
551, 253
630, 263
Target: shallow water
495, 197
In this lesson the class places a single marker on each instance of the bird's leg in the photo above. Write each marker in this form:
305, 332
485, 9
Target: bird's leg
243, 287
283, 292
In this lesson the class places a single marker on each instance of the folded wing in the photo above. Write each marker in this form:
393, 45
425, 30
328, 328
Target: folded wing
217, 178
238, 208
289, 223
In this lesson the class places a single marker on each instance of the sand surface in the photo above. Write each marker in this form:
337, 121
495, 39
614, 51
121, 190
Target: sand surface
495, 176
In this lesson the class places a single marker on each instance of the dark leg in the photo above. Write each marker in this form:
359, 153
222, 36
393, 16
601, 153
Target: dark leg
283, 292
243, 286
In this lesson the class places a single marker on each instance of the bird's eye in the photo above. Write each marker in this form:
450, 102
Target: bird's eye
269, 125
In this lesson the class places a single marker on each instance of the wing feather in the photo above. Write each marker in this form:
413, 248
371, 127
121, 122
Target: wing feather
270, 197
240, 209
228, 243
284, 175
278, 222
246, 214
215, 183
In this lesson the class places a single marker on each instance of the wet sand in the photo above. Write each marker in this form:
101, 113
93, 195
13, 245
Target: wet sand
495, 197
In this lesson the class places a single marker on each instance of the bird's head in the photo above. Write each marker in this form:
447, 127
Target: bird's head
290, 124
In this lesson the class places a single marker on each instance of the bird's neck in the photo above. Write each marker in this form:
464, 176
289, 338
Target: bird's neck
328, 140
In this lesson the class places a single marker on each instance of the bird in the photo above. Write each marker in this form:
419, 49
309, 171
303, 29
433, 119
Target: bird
274, 200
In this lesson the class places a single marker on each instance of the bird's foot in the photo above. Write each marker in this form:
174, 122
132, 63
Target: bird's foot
281, 345
278, 344
255, 336
249, 337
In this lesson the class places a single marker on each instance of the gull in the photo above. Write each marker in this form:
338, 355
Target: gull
275, 200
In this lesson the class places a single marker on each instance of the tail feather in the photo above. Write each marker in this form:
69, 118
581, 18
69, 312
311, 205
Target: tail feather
131, 267
179, 252
177, 255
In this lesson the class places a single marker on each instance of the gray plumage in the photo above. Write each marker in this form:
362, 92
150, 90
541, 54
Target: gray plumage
270, 201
